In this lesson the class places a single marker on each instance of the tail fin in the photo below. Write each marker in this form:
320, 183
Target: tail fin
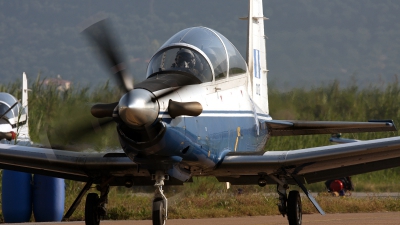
257, 55
25, 93
23, 131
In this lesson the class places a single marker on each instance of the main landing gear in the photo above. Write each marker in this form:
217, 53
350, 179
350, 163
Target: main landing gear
160, 202
92, 216
95, 206
294, 208
290, 205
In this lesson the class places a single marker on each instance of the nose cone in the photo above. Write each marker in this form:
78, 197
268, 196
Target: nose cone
138, 107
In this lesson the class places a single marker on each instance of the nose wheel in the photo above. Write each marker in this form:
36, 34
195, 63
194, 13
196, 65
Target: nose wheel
159, 210
160, 202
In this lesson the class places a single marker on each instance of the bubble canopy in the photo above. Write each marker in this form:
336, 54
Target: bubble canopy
199, 51
6, 101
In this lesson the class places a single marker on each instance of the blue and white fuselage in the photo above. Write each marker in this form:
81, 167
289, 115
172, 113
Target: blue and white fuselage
197, 65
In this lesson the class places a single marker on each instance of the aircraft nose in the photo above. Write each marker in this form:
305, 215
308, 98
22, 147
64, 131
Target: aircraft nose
138, 107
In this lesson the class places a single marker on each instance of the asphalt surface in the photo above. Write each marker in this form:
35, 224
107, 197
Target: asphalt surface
387, 218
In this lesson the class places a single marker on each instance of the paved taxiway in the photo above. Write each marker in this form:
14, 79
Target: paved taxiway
387, 218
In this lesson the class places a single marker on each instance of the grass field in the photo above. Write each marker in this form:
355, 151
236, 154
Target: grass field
127, 204
51, 109
205, 197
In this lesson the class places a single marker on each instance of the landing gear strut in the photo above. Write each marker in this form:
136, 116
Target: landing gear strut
95, 206
281, 189
160, 202
289, 205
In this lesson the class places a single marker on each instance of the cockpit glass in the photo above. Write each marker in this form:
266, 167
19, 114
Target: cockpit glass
6, 101
3, 109
181, 59
209, 47
237, 65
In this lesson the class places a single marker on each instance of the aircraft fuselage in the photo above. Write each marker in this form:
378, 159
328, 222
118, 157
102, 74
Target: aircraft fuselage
229, 122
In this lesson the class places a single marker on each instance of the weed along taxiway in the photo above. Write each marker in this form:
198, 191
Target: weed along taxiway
388, 218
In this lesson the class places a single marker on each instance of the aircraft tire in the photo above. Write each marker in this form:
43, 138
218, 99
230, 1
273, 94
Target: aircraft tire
294, 208
158, 214
92, 216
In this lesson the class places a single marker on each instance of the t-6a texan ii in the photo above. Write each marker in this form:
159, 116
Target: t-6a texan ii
203, 111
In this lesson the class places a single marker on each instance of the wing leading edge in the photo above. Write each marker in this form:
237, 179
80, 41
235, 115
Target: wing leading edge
78, 166
312, 164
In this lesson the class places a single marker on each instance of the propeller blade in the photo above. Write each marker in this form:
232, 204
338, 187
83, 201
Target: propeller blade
74, 137
103, 110
102, 36
176, 109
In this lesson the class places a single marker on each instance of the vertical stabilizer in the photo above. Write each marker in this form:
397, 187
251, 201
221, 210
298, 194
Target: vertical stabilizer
23, 131
257, 55
25, 93
25, 98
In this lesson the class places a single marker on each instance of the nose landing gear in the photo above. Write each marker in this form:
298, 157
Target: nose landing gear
160, 202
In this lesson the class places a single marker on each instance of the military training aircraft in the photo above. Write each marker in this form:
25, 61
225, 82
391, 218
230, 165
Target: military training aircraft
203, 111
14, 116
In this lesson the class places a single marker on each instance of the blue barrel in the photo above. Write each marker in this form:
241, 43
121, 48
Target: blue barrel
17, 196
48, 198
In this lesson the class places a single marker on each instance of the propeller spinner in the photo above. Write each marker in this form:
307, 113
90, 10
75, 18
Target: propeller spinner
138, 108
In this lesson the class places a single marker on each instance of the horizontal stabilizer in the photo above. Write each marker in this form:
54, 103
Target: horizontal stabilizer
291, 127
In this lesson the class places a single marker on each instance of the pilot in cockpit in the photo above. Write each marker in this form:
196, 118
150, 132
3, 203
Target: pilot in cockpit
186, 59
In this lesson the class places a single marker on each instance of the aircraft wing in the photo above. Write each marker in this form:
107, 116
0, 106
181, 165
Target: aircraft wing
311, 164
80, 166
297, 127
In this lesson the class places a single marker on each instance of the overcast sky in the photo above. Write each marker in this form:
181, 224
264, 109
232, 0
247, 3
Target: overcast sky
309, 42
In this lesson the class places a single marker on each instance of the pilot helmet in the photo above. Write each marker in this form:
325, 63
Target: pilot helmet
185, 58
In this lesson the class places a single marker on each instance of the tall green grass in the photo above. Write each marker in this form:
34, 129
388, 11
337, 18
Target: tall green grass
55, 112
333, 103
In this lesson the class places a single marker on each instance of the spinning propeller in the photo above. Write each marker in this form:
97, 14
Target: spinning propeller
137, 108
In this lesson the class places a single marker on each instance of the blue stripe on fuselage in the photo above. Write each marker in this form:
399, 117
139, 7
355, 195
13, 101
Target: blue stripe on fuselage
217, 131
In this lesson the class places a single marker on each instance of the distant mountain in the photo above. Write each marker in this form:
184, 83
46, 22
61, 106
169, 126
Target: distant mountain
309, 42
